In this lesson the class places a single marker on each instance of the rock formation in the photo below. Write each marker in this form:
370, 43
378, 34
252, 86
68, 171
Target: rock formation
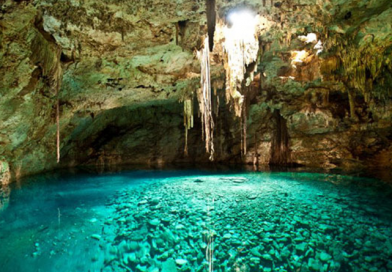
115, 74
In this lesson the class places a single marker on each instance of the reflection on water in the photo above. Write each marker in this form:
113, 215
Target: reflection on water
5, 192
196, 221
4, 188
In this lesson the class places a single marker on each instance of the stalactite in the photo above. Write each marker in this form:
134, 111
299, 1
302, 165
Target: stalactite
211, 22
241, 47
188, 121
46, 54
204, 98
363, 68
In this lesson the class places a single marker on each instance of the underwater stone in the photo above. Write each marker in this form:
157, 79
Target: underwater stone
96, 237
130, 258
325, 256
180, 227
141, 268
227, 236
255, 252
314, 264
166, 220
122, 219
164, 255
368, 259
285, 252
368, 244
202, 244
35, 254
255, 260
143, 202
154, 222
181, 261
132, 245
267, 257
235, 242
239, 180
300, 247
144, 260
154, 201
153, 269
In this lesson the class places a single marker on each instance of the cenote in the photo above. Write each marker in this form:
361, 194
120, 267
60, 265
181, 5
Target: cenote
183, 220
195, 135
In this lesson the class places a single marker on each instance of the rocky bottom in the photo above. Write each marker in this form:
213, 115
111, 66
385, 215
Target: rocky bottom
242, 222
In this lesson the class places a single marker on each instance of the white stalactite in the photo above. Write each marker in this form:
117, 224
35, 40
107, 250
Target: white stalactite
241, 45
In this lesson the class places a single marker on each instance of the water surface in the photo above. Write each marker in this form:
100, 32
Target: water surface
154, 220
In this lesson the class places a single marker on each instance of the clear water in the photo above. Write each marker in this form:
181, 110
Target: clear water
196, 221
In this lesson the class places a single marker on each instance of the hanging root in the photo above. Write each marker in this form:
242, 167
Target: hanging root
56, 85
204, 98
58, 129
244, 128
188, 121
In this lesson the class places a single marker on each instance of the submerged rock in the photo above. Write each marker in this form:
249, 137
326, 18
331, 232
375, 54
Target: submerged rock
181, 261
255, 252
169, 266
314, 264
96, 237
239, 180
154, 222
325, 256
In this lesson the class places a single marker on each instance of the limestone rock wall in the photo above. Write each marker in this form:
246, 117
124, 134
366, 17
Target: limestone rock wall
123, 67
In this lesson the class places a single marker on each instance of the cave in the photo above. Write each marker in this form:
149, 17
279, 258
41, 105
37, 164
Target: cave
190, 135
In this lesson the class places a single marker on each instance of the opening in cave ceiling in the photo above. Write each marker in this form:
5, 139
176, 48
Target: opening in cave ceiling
239, 50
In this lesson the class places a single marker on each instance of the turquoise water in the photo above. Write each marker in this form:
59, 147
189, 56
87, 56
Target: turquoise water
196, 221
